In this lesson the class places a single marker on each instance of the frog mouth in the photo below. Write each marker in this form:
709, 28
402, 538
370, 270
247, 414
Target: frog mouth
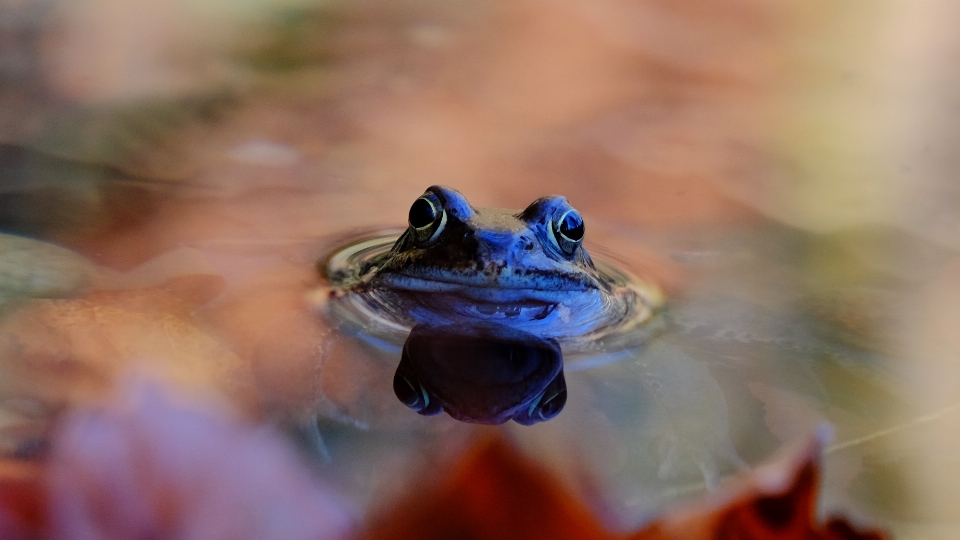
495, 293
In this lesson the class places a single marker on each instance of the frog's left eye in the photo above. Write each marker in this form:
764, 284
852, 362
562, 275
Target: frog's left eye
567, 231
427, 218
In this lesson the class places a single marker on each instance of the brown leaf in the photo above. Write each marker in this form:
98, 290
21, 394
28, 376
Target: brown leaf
776, 501
494, 493
497, 493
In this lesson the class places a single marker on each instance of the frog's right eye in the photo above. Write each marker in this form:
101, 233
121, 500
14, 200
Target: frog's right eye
427, 218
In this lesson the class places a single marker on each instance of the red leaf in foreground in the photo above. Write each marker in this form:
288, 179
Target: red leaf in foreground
23, 503
774, 502
496, 493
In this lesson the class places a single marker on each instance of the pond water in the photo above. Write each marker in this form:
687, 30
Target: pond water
743, 359
755, 347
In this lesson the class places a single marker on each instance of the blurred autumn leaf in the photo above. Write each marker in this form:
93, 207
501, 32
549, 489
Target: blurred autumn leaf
497, 493
23, 499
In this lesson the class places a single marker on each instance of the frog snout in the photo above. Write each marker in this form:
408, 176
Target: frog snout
503, 246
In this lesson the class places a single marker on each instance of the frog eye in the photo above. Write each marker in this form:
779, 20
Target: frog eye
567, 231
427, 218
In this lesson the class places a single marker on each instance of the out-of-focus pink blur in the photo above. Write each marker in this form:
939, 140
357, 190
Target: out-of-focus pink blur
150, 464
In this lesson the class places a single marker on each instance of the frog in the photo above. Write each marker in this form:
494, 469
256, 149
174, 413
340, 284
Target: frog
488, 298
527, 269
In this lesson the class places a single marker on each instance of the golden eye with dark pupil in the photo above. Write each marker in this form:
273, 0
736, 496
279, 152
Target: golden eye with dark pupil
422, 214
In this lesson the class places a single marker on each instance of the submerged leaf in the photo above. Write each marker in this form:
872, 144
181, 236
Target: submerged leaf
59, 353
31, 268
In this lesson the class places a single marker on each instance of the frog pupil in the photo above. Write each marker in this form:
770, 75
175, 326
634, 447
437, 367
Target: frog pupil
422, 213
571, 226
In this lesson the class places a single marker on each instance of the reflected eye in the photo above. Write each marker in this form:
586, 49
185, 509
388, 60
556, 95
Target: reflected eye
567, 231
547, 405
427, 218
412, 394
551, 405
410, 391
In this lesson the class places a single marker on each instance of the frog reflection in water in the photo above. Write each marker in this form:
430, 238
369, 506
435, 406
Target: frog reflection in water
490, 294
